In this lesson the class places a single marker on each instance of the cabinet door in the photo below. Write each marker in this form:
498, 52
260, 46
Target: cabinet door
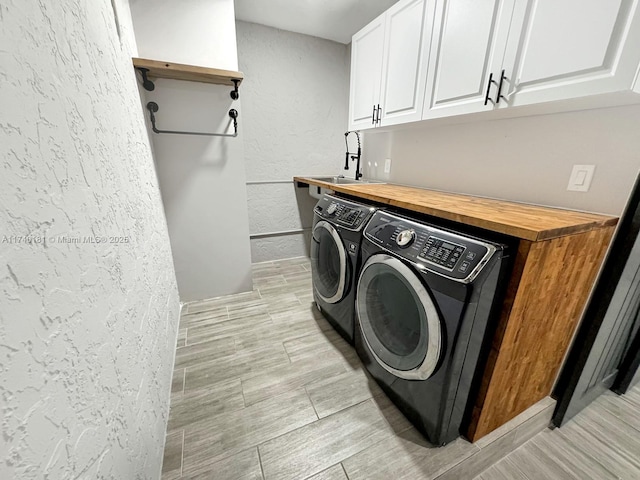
571, 48
366, 70
469, 39
404, 71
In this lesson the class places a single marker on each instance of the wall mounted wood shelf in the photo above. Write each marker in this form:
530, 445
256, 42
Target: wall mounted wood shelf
190, 73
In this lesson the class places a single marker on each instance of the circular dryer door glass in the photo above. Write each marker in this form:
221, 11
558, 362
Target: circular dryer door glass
398, 318
328, 263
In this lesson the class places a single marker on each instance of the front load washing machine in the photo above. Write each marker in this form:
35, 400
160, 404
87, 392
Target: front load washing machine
425, 300
335, 248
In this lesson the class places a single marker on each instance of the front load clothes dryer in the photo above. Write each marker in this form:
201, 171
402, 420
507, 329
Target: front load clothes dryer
335, 248
425, 300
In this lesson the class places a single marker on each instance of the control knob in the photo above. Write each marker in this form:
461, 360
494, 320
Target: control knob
331, 209
405, 238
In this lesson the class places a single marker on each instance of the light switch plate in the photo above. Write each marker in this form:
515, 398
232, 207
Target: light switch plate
387, 165
581, 177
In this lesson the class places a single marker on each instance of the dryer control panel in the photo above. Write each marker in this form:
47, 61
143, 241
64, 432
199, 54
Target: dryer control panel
448, 253
343, 213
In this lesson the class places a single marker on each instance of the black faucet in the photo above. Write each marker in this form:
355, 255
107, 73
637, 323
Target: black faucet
353, 157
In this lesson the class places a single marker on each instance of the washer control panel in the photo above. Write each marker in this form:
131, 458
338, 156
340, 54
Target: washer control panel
448, 253
344, 213
441, 252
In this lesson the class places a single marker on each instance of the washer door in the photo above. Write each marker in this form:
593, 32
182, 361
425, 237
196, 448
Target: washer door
398, 319
328, 262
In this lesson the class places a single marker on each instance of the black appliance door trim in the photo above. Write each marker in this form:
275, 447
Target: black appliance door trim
342, 256
433, 345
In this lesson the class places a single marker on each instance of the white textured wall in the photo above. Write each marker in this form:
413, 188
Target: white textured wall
526, 159
202, 179
295, 100
194, 32
87, 331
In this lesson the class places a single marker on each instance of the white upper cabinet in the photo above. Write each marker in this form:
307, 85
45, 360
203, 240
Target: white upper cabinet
388, 67
564, 49
469, 40
407, 40
367, 47
425, 59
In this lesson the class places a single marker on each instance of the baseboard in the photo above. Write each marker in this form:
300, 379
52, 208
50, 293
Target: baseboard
504, 440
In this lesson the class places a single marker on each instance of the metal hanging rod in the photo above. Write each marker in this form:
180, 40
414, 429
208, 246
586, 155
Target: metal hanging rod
153, 108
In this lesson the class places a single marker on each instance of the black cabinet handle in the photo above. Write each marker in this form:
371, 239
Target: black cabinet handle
373, 116
378, 114
502, 77
486, 97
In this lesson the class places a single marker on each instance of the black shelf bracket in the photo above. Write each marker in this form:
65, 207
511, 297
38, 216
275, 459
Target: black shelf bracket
148, 85
153, 109
235, 94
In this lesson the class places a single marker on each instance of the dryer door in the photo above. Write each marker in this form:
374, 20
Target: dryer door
328, 263
398, 319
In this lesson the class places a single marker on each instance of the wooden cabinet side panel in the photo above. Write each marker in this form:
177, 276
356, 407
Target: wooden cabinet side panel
510, 295
531, 343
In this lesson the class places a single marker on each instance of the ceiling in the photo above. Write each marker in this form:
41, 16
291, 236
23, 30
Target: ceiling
335, 20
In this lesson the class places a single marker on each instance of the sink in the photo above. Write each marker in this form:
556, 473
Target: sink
341, 180
317, 192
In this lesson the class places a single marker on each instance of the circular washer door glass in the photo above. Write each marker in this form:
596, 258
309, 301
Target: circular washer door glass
328, 263
398, 318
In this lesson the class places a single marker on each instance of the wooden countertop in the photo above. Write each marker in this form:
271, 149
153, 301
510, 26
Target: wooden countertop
529, 222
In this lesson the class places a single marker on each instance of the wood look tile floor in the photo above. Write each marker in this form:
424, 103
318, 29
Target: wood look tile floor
602, 442
264, 388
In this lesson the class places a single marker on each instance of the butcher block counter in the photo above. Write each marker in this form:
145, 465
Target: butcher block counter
559, 253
